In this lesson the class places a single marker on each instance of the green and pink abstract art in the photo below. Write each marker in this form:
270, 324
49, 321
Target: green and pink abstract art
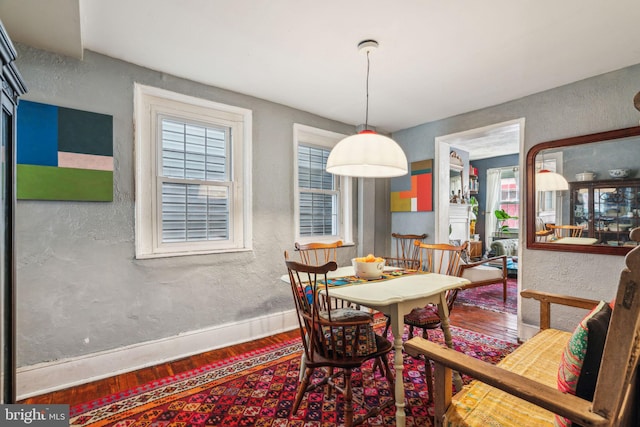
63, 154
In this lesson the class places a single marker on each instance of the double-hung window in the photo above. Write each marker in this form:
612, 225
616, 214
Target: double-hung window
510, 195
192, 185
323, 201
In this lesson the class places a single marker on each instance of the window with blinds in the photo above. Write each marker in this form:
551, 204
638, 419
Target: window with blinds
195, 184
323, 202
318, 193
193, 175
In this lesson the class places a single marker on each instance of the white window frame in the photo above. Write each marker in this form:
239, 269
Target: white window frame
311, 136
551, 211
501, 202
150, 104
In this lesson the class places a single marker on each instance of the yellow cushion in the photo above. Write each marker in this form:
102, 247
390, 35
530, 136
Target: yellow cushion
481, 405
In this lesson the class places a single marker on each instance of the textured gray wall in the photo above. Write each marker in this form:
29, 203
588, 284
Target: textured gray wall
593, 105
81, 291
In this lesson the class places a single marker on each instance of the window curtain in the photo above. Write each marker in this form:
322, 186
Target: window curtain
516, 176
493, 200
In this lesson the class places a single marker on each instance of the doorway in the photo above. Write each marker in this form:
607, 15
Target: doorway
490, 141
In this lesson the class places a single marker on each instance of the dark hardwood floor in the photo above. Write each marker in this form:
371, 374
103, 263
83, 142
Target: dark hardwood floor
499, 325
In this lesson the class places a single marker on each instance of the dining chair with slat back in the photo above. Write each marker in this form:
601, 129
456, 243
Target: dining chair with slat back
439, 258
406, 256
318, 253
406, 253
335, 338
561, 231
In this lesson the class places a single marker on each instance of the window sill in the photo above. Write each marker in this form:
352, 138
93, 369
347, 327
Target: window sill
190, 253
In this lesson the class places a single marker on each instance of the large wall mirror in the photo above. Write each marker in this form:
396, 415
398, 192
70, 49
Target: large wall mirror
597, 203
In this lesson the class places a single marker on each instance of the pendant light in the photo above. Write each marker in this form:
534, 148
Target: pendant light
367, 154
550, 181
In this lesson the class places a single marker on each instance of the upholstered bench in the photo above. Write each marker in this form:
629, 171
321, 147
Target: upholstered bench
575, 375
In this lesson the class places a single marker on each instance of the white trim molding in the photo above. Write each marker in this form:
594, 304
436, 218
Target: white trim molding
51, 376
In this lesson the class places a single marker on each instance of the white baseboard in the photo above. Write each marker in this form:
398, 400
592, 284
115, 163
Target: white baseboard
51, 376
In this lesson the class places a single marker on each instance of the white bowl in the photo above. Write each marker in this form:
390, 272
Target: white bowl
585, 176
618, 173
368, 270
619, 227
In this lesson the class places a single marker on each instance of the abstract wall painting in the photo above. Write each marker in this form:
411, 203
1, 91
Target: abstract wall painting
420, 197
63, 154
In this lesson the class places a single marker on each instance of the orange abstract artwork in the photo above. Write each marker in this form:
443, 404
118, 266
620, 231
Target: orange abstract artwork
419, 198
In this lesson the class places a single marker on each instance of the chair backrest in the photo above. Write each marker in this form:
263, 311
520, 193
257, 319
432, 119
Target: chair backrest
318, 253
326, 331
561, 231
441, 258
406, 254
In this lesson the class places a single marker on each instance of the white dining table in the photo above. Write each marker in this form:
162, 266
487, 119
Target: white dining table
397, 297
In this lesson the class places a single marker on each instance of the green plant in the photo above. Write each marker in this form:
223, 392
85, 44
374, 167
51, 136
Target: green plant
502, 216
474, 204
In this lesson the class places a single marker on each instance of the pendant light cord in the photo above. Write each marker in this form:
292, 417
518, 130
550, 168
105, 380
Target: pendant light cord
366, 117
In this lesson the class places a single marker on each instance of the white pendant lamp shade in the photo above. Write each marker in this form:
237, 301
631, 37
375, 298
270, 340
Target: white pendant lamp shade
550, 181
367, 155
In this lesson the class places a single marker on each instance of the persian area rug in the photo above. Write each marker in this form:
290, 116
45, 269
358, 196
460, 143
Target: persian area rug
259, 388
490, 297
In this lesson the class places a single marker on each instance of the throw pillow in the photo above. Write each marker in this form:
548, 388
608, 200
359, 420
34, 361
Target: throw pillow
580, 362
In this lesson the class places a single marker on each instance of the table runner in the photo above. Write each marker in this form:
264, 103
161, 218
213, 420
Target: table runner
353, 280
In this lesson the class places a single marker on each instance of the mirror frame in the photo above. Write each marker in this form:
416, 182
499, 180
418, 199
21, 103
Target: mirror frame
531, 194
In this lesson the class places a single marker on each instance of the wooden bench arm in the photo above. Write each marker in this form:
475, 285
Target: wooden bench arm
576, 409
546, 299
503, 258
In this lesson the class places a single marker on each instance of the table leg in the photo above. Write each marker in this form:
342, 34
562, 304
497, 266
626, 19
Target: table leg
397, 326
443, 311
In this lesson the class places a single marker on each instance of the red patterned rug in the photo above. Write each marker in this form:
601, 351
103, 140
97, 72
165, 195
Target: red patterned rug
490, 297
258, 389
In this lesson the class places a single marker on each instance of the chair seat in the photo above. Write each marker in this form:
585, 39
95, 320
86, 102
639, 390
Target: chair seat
423, 317
346, 313
383, 347
482, 273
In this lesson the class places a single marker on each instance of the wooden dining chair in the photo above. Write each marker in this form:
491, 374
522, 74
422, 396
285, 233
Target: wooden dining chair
336, 338
406, 253
439, 258
317, 253
560, 231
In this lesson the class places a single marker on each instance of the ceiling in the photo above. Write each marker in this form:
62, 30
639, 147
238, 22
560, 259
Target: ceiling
436, 59
490, 141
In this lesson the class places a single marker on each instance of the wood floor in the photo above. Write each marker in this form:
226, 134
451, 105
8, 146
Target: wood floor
499, 325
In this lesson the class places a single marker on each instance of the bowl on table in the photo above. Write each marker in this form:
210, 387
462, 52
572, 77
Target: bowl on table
618, 173
368, 267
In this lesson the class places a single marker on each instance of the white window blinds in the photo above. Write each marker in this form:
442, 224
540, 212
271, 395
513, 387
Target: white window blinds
318, 193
